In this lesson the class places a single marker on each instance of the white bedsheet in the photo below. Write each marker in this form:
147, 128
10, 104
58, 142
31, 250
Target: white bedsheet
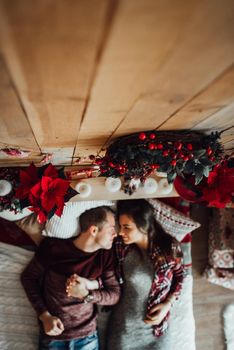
18, 324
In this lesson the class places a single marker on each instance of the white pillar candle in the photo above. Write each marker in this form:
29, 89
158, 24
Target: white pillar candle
5, 187
84, 189
164, 187
113, 184
150, 185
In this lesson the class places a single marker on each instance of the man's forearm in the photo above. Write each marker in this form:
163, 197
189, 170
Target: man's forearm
30, 279
110, 293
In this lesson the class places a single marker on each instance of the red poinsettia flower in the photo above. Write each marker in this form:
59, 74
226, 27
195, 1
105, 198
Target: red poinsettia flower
220, 186
44, 190
28, 178
53, 192
51, 171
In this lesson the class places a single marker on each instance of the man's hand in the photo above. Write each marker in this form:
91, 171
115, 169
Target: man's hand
77, 287
157, 313
52, 325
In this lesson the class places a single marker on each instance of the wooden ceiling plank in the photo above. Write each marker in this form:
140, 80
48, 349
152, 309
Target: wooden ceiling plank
50, 48
15, 130
229, 147
201, 54
219, 95
220, 120
158, 57
130, 58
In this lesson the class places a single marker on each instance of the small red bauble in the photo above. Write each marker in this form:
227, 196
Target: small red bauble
142, 136
151, 146
189, 146
209, 151
173, 162
99, 161
178, 145
165, 153
160, 146
186, 158
112, 165
152, 136
154, 166
181, 155
191, 156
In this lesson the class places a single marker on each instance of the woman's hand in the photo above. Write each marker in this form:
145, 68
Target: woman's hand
52, 325
157, 313
79, 287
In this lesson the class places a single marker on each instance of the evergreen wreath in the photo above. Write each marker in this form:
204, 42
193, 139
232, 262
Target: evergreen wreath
182, 153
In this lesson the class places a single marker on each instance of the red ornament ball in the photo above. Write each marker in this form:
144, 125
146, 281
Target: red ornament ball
154, 166
189, 146
165, 153
186, 158
142, 136
152, 136
178, 145
191, 155
160, 146
151, 146
173, 162
111, 164
99, 161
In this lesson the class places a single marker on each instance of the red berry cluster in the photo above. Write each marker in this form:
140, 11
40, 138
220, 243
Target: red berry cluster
139, 155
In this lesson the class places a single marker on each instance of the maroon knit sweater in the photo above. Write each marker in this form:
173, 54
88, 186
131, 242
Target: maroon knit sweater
44, 281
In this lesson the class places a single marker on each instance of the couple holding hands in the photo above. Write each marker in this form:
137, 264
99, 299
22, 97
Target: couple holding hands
139, 271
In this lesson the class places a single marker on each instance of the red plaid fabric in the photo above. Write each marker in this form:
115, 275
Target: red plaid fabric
168, 279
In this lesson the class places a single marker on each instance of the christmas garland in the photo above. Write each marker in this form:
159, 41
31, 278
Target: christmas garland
182, 153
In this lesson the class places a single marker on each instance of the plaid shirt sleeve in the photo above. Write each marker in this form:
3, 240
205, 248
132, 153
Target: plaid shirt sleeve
178, 277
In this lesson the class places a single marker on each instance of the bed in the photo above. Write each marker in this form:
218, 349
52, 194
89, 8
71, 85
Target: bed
18, 323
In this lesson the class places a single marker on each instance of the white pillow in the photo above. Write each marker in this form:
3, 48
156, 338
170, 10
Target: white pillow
173, 221
18, 322
67, 225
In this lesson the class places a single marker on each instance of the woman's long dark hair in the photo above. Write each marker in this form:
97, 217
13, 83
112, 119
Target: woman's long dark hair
142, 214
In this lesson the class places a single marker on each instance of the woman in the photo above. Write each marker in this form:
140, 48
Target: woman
152, 278
151, 275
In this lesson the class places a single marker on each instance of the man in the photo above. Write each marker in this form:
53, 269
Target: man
67, 319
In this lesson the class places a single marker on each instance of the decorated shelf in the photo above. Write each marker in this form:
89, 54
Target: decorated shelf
100, 188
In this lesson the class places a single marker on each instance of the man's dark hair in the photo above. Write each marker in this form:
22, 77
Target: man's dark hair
95, 216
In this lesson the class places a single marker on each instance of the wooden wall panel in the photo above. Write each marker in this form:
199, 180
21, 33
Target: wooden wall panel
160, 55
50, 48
